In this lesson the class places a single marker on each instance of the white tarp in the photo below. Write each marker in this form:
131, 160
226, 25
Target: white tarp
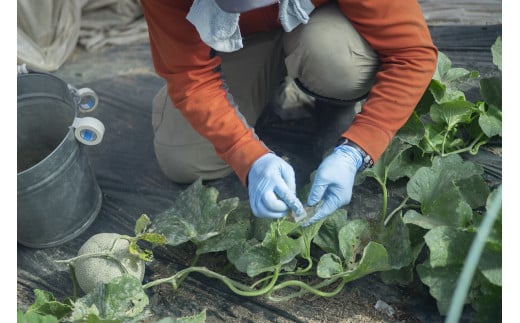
49, 30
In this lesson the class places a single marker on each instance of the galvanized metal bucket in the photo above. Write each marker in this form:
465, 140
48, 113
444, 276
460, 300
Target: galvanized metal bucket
58, 195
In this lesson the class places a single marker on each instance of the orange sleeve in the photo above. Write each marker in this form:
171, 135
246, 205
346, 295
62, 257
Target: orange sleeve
195, 85
398, 32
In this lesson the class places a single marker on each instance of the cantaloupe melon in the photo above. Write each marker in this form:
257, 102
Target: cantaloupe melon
91, 271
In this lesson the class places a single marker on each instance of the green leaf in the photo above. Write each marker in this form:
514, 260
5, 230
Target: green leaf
487, 302
490, 265
46, 304
134, 249
491, 91
396, 240
474, 190
437, 89
274, 251
491, 122
234, 252
441, 282
496, 52
448, 246
412, 131
389, 164
121, 299
33, 317
195, 215
452, 113
426, 101
375, 258
308, 234
287, 247
154, 238
353, 237
456, 73
329, 265
409, 161
425, 222
443, 66
327, 237
257, 260
453, 94
260, 227
450, 78
405, 275
231, 235
437, 190
141, 224
433, 139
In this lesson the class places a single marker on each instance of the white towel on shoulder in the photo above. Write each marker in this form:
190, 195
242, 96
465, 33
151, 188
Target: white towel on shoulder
220, 30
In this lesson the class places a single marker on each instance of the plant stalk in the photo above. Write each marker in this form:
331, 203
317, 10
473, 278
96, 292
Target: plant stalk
397, 209
236, 287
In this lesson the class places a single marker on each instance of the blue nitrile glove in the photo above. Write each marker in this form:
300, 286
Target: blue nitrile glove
272, 188
334, 181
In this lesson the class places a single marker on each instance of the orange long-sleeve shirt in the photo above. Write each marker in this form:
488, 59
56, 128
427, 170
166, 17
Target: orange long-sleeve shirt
396, 30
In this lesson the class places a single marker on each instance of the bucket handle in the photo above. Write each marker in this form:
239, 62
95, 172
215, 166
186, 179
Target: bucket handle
87, 130
85, 98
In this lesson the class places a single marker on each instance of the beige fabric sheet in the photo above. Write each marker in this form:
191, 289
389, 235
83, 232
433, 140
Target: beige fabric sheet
48, 31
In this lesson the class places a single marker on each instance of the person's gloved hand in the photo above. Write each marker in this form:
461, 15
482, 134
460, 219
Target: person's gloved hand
272, 188
333, 181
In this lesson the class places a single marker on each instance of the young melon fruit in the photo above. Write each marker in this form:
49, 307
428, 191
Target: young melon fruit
91, 271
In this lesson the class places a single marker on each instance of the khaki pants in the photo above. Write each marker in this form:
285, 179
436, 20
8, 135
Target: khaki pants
327, 57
